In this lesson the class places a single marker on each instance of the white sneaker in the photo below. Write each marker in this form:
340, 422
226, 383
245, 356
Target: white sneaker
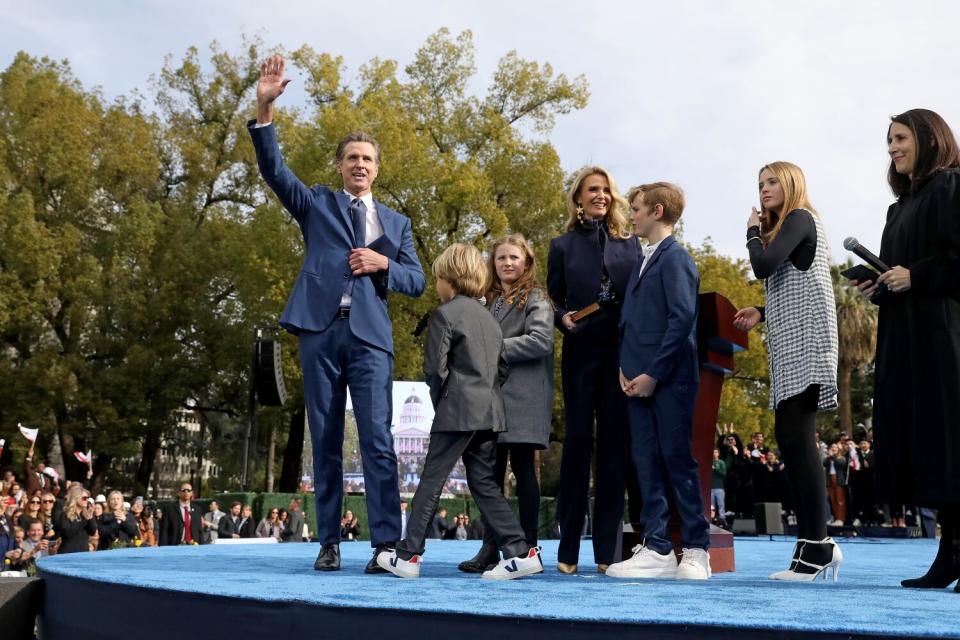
645, 563
510, 568
695, 565
389, 561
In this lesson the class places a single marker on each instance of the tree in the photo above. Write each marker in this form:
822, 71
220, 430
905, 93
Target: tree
857, 334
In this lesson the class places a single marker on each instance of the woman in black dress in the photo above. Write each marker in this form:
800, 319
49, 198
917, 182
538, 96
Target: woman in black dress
591, 263
916, 403
75, 524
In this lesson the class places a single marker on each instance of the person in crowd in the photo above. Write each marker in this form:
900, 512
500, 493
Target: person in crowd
31, 511
349, 526
181, 524
718, 494
773, 486
248, 526
439, 525
48, 508
404, 517
34, 546
116, 525
587, 272
865, 496
75, 524
295, 522
464, 367
229, 525
211, 521
9, 548
270, 526
15, 491
788, 251
145, 523
461, 531
341, 321
522, 307
659, 374
739, 483
916, 403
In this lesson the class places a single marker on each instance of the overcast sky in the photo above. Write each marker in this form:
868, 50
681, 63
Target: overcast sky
699, 93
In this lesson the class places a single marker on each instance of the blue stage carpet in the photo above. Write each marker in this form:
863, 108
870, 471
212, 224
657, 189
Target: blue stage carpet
867, 600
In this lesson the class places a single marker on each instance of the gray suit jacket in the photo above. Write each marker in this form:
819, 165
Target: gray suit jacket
464, 367
528, 349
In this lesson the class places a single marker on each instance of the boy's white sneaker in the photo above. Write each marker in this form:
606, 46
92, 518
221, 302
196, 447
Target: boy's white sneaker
645, 563
695, 565
510, 568
389, 561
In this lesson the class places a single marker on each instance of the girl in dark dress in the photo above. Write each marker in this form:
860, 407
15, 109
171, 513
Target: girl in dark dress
591, 264
916, 403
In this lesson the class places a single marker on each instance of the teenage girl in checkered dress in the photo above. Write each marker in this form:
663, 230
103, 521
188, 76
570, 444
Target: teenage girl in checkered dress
788, 250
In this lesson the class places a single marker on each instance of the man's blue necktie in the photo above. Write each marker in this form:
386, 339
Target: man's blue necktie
358, 213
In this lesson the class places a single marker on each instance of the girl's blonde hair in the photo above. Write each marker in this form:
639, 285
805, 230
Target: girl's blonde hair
461, 265
794, 187
526, 283
616, 216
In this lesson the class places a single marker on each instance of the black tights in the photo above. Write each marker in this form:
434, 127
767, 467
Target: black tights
522, 457
795, 428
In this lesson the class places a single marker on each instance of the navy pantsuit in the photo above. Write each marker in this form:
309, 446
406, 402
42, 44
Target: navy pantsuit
339, 352
658, 337
591, 391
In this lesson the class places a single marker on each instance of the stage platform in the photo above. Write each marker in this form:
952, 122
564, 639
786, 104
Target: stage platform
268, 591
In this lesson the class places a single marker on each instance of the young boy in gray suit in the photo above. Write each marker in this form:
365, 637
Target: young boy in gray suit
464, 369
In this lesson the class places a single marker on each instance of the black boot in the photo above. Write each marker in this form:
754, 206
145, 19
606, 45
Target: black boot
944, 570
486, 559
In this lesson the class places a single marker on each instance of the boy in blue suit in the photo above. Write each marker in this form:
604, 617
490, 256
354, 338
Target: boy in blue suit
659, 374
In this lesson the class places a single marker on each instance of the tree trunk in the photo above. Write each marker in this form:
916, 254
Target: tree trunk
843, 398
200, 448
141, 480
271, 452
293, 453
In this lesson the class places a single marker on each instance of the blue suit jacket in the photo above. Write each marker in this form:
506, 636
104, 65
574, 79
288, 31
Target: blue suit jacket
328, 234
658, 325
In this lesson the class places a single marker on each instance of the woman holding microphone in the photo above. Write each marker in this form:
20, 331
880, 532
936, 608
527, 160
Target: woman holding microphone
916, 404
588, 268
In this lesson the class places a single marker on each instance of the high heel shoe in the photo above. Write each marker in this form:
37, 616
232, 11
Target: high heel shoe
811, 559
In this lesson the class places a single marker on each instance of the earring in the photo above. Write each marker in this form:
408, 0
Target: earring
579, 213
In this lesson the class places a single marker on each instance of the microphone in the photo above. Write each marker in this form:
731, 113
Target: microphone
851, 244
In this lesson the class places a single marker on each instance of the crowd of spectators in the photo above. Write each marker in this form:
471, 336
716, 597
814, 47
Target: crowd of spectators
744, 475
40, 516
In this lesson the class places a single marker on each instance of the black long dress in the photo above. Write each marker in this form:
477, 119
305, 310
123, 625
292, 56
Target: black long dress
917, 382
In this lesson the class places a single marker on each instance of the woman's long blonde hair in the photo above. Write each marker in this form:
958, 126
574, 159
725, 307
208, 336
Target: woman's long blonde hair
794, 186
526, 283
70, 504
616, 216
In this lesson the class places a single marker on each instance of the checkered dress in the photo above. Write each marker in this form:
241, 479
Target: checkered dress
801, 317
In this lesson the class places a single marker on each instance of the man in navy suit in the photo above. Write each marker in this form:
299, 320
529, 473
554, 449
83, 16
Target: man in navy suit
358, 250
659, 374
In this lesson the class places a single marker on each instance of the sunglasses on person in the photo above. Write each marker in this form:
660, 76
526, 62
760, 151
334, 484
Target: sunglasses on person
34, 502
186, 490
48, 501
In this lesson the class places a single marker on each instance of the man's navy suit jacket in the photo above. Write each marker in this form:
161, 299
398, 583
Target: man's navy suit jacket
658, 324
328, 234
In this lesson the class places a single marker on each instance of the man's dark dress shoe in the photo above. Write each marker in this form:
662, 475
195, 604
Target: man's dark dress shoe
329, 558
487, 558
372, 566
